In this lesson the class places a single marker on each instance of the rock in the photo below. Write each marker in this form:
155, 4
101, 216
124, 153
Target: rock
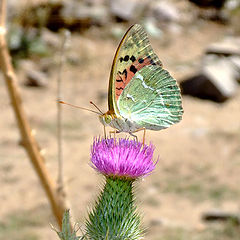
218, 4
117, 31
51, 38
164, 11
212, 10
175, 28
70, 14
46, 65
216, 81
125, 9
152, 28
228, 46
100, 15
15, 36
219, 215
35, 78
232, 4
235, 60
14, 8
77, 14
222, 73
156, 222
42, 14
94, 2
74, 59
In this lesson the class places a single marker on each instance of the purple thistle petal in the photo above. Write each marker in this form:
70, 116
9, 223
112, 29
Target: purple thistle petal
122, 157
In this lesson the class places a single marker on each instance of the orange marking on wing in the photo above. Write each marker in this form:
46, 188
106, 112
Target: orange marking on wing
123, 78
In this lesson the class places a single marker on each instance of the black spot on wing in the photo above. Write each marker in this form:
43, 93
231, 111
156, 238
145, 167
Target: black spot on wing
120, 88
151, 60
124, 72
133, 69
119, 80
132, 58
140, 60
126, 58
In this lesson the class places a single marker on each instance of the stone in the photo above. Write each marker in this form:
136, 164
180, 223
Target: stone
235, 60
35, 78
124, 9
117, 31
46, 65
156, 222
152, 29
175, 28
216, 81
51, 38
100, 15
165, 11
94, 2
212, 10
228, 46
218, 4
77, 14
220, 215
232, 4
14, 8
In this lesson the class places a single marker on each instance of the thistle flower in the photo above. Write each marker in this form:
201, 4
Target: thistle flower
115, 215
122, 158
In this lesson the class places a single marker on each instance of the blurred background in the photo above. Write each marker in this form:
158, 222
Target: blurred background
194, 192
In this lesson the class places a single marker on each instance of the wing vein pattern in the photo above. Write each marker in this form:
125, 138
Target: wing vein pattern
152, 99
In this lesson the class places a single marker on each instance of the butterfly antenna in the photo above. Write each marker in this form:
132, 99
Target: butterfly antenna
72, 105
96, 107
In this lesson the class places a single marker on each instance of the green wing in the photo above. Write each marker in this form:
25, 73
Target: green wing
151, 99
133, 46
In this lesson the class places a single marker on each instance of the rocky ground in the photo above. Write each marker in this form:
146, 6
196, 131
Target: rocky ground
199, 164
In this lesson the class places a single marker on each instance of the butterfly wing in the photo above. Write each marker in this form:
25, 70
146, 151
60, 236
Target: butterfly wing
151, 99
133, 53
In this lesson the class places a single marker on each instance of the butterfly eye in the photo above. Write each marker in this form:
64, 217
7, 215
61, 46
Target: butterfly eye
107, 119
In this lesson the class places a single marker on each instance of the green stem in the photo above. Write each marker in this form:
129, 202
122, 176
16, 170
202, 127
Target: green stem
114, 216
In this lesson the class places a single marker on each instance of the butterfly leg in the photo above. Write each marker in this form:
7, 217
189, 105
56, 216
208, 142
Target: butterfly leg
104, 130
136, 138
144, 133
114, 133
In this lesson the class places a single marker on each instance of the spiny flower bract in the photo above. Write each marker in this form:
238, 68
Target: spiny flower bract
122, 157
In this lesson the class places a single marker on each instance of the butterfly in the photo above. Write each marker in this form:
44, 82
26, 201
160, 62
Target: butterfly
141, 94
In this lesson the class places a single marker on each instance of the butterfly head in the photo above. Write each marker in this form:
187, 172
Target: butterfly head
106, 118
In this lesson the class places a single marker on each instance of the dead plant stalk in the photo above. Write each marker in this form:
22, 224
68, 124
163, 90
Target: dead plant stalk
57, 201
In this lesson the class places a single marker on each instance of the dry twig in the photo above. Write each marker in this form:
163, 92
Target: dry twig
57, 201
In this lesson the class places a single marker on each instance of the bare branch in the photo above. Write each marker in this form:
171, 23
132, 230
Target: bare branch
57, 203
